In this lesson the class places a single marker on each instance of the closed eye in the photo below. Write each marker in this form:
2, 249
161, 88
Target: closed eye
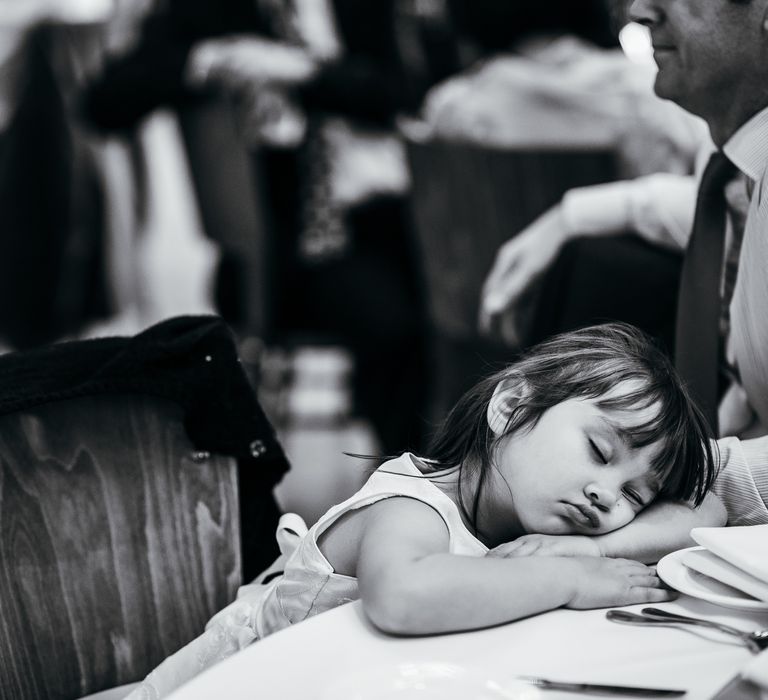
634, 497
597, 451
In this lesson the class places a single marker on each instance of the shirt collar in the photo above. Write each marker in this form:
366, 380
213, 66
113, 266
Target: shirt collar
747, 149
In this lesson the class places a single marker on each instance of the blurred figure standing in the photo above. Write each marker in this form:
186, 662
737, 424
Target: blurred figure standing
321, 82
50, 195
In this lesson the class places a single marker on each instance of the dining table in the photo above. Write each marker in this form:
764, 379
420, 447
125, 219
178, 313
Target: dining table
340, 655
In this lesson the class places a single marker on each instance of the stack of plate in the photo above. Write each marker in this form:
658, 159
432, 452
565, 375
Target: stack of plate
730, 567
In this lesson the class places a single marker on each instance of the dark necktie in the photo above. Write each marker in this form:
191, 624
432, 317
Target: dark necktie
697, 340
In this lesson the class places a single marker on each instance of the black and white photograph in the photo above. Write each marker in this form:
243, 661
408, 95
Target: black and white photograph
383, 349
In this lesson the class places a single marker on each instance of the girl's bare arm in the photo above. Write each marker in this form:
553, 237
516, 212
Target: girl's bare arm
660, 529
411, 585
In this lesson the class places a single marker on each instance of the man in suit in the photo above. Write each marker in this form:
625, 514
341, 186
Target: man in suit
713, 61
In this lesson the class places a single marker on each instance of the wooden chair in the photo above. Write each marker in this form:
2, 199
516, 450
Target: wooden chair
119, 539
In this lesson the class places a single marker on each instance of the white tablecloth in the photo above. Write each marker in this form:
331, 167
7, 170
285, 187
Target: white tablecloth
334, 656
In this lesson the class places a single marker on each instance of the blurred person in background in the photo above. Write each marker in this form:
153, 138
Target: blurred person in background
712, 60
50, 194
319, 83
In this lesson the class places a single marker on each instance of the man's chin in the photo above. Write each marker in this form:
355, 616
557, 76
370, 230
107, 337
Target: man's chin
667, 87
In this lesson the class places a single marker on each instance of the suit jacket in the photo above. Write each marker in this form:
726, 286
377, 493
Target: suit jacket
190, 360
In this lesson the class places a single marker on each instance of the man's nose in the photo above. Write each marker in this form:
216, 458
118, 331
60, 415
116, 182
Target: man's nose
601, 496
646, 12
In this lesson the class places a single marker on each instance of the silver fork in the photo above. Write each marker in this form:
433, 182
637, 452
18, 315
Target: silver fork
755, 641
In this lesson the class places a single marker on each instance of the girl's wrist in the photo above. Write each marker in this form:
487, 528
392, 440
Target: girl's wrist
573, 581
600, 545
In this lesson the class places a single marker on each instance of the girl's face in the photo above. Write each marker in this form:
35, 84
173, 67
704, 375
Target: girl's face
572, 473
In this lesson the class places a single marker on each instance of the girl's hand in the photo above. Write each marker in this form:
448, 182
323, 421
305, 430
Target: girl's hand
602, 582
548, 546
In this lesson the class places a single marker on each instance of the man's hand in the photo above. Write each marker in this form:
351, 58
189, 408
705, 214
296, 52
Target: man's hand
548, 546
519, 264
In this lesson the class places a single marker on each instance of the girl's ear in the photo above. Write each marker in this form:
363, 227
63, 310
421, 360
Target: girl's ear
507, 395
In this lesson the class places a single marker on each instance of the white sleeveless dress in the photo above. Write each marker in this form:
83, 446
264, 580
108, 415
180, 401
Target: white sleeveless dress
308, 584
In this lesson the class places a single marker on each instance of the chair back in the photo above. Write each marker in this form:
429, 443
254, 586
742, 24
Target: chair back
469, 199
117, 542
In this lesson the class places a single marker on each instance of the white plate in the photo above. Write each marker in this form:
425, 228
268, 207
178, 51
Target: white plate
424, 681
674, 573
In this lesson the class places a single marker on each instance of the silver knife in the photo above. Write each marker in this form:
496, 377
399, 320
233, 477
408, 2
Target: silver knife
598, 689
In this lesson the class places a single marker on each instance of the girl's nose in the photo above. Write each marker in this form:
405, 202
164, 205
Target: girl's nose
601, 496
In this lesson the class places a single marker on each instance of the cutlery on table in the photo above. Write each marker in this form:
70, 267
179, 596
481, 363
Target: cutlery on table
755, 641
600, 689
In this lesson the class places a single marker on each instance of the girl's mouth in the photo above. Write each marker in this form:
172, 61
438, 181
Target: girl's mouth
583, 515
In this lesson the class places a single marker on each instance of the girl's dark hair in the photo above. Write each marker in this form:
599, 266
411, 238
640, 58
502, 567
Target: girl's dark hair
587, 364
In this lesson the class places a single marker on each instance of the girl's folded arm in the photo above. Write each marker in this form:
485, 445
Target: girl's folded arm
662, 528
411, 584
